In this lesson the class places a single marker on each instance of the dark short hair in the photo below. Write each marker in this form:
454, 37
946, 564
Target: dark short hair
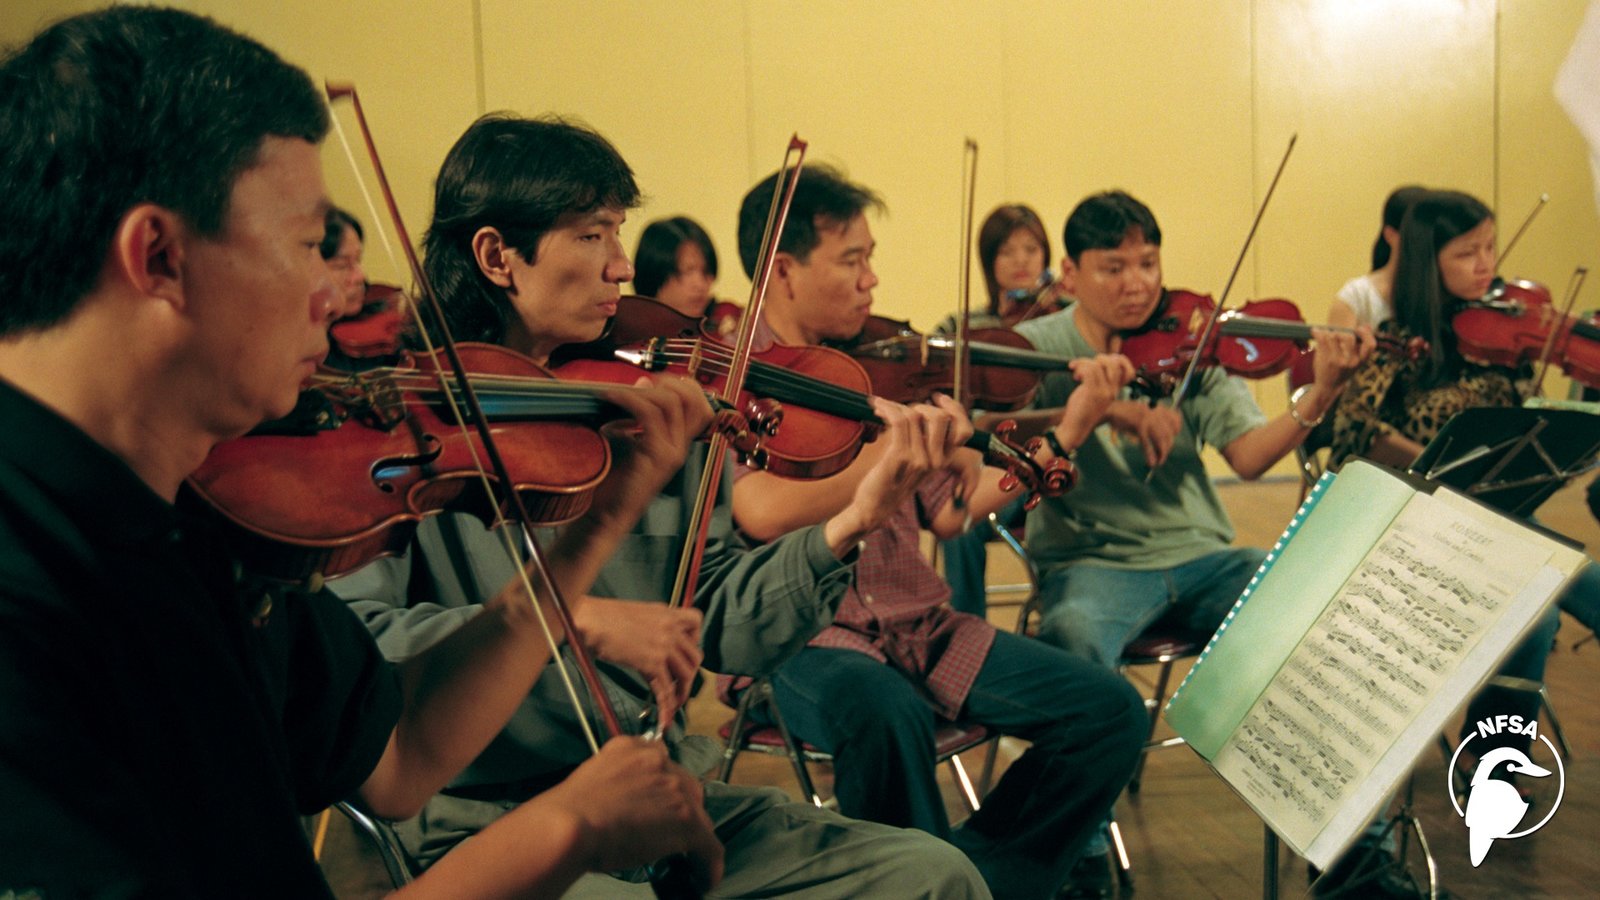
1421, 303
656, 258
519, 176
823, 200
998, 228
127, 105
1103, 221
333, 228
1394, 212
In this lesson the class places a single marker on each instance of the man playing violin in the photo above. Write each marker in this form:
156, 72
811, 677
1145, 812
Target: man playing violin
163, 293
870, 688
525, 252
1145, 537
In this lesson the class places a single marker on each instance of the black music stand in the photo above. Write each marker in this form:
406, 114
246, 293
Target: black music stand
1511, 459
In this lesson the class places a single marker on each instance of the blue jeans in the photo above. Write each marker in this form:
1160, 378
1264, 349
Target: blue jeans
1093, 611
1085, 724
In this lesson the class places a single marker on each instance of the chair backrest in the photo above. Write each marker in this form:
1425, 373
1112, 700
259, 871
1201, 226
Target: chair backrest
1012, 539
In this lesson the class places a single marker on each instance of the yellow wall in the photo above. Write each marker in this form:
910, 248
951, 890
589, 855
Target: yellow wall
1186, 103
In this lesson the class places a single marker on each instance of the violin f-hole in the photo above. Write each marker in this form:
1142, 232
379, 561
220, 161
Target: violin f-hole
391, 469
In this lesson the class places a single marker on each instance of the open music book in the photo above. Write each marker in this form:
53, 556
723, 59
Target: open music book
1387, 601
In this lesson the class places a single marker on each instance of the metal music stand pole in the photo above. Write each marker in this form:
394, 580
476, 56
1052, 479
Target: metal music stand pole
1269, 869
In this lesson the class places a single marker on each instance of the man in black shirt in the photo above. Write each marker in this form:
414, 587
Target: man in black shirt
165, 720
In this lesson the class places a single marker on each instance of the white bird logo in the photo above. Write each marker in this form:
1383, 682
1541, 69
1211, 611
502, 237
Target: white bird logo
1494, 808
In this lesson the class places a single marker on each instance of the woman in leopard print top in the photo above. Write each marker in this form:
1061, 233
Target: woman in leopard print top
1394, 405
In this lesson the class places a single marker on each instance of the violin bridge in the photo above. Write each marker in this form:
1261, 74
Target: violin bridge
380, 403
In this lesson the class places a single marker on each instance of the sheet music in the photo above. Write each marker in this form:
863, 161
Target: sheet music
1396, 630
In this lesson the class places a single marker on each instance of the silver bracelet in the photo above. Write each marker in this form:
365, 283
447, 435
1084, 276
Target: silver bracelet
1294, 411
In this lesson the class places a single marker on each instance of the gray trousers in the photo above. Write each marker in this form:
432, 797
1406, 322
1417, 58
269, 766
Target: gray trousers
774, 848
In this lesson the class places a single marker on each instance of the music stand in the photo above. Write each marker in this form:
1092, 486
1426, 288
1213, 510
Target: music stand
1511, 459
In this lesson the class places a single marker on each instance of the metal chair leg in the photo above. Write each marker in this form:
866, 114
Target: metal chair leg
1555, 723
1124, 865
1155, 718
797, 753
968, 793
730, 750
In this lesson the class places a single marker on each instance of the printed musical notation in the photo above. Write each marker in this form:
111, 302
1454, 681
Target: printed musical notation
1391, 636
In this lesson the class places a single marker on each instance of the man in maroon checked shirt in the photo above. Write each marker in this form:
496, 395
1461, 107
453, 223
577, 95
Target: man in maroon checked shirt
869, 688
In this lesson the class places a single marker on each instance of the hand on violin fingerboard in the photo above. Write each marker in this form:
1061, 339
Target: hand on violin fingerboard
1339, 355
668, 413
1100, 379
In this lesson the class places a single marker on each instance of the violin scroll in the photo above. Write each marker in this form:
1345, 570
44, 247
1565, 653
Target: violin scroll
1022, 466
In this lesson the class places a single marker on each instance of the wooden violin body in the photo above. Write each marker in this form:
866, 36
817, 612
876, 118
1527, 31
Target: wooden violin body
827, 408
1516, 321
376, 331
1164, 347
907, 367
380, 452
1260, 339
824, 418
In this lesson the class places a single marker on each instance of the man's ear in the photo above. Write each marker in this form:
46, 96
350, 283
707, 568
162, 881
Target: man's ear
783, 269
489, 250
1069, 275
147, 251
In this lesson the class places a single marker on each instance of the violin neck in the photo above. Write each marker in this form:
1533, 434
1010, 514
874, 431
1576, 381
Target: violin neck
986, 354
1263, 327
1585, 328
784, 386
995, 452
763, 379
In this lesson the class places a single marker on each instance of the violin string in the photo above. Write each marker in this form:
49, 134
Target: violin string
773, 373
807, 392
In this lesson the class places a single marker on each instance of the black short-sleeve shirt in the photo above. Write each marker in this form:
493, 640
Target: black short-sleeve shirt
159, 736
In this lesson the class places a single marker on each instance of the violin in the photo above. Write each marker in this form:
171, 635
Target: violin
388, 452
1024, 304
1517, 322
722, 318
1258, 340
908, 367
825, 417
827, 408
376, 331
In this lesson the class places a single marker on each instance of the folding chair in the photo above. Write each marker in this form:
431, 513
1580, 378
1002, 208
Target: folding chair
741, 733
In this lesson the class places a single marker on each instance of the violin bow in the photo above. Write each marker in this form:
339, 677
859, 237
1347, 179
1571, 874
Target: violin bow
1211, 324
969, 191
470, 411
961, 385
1517, 235
670, 878
1573, 286
699, 528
